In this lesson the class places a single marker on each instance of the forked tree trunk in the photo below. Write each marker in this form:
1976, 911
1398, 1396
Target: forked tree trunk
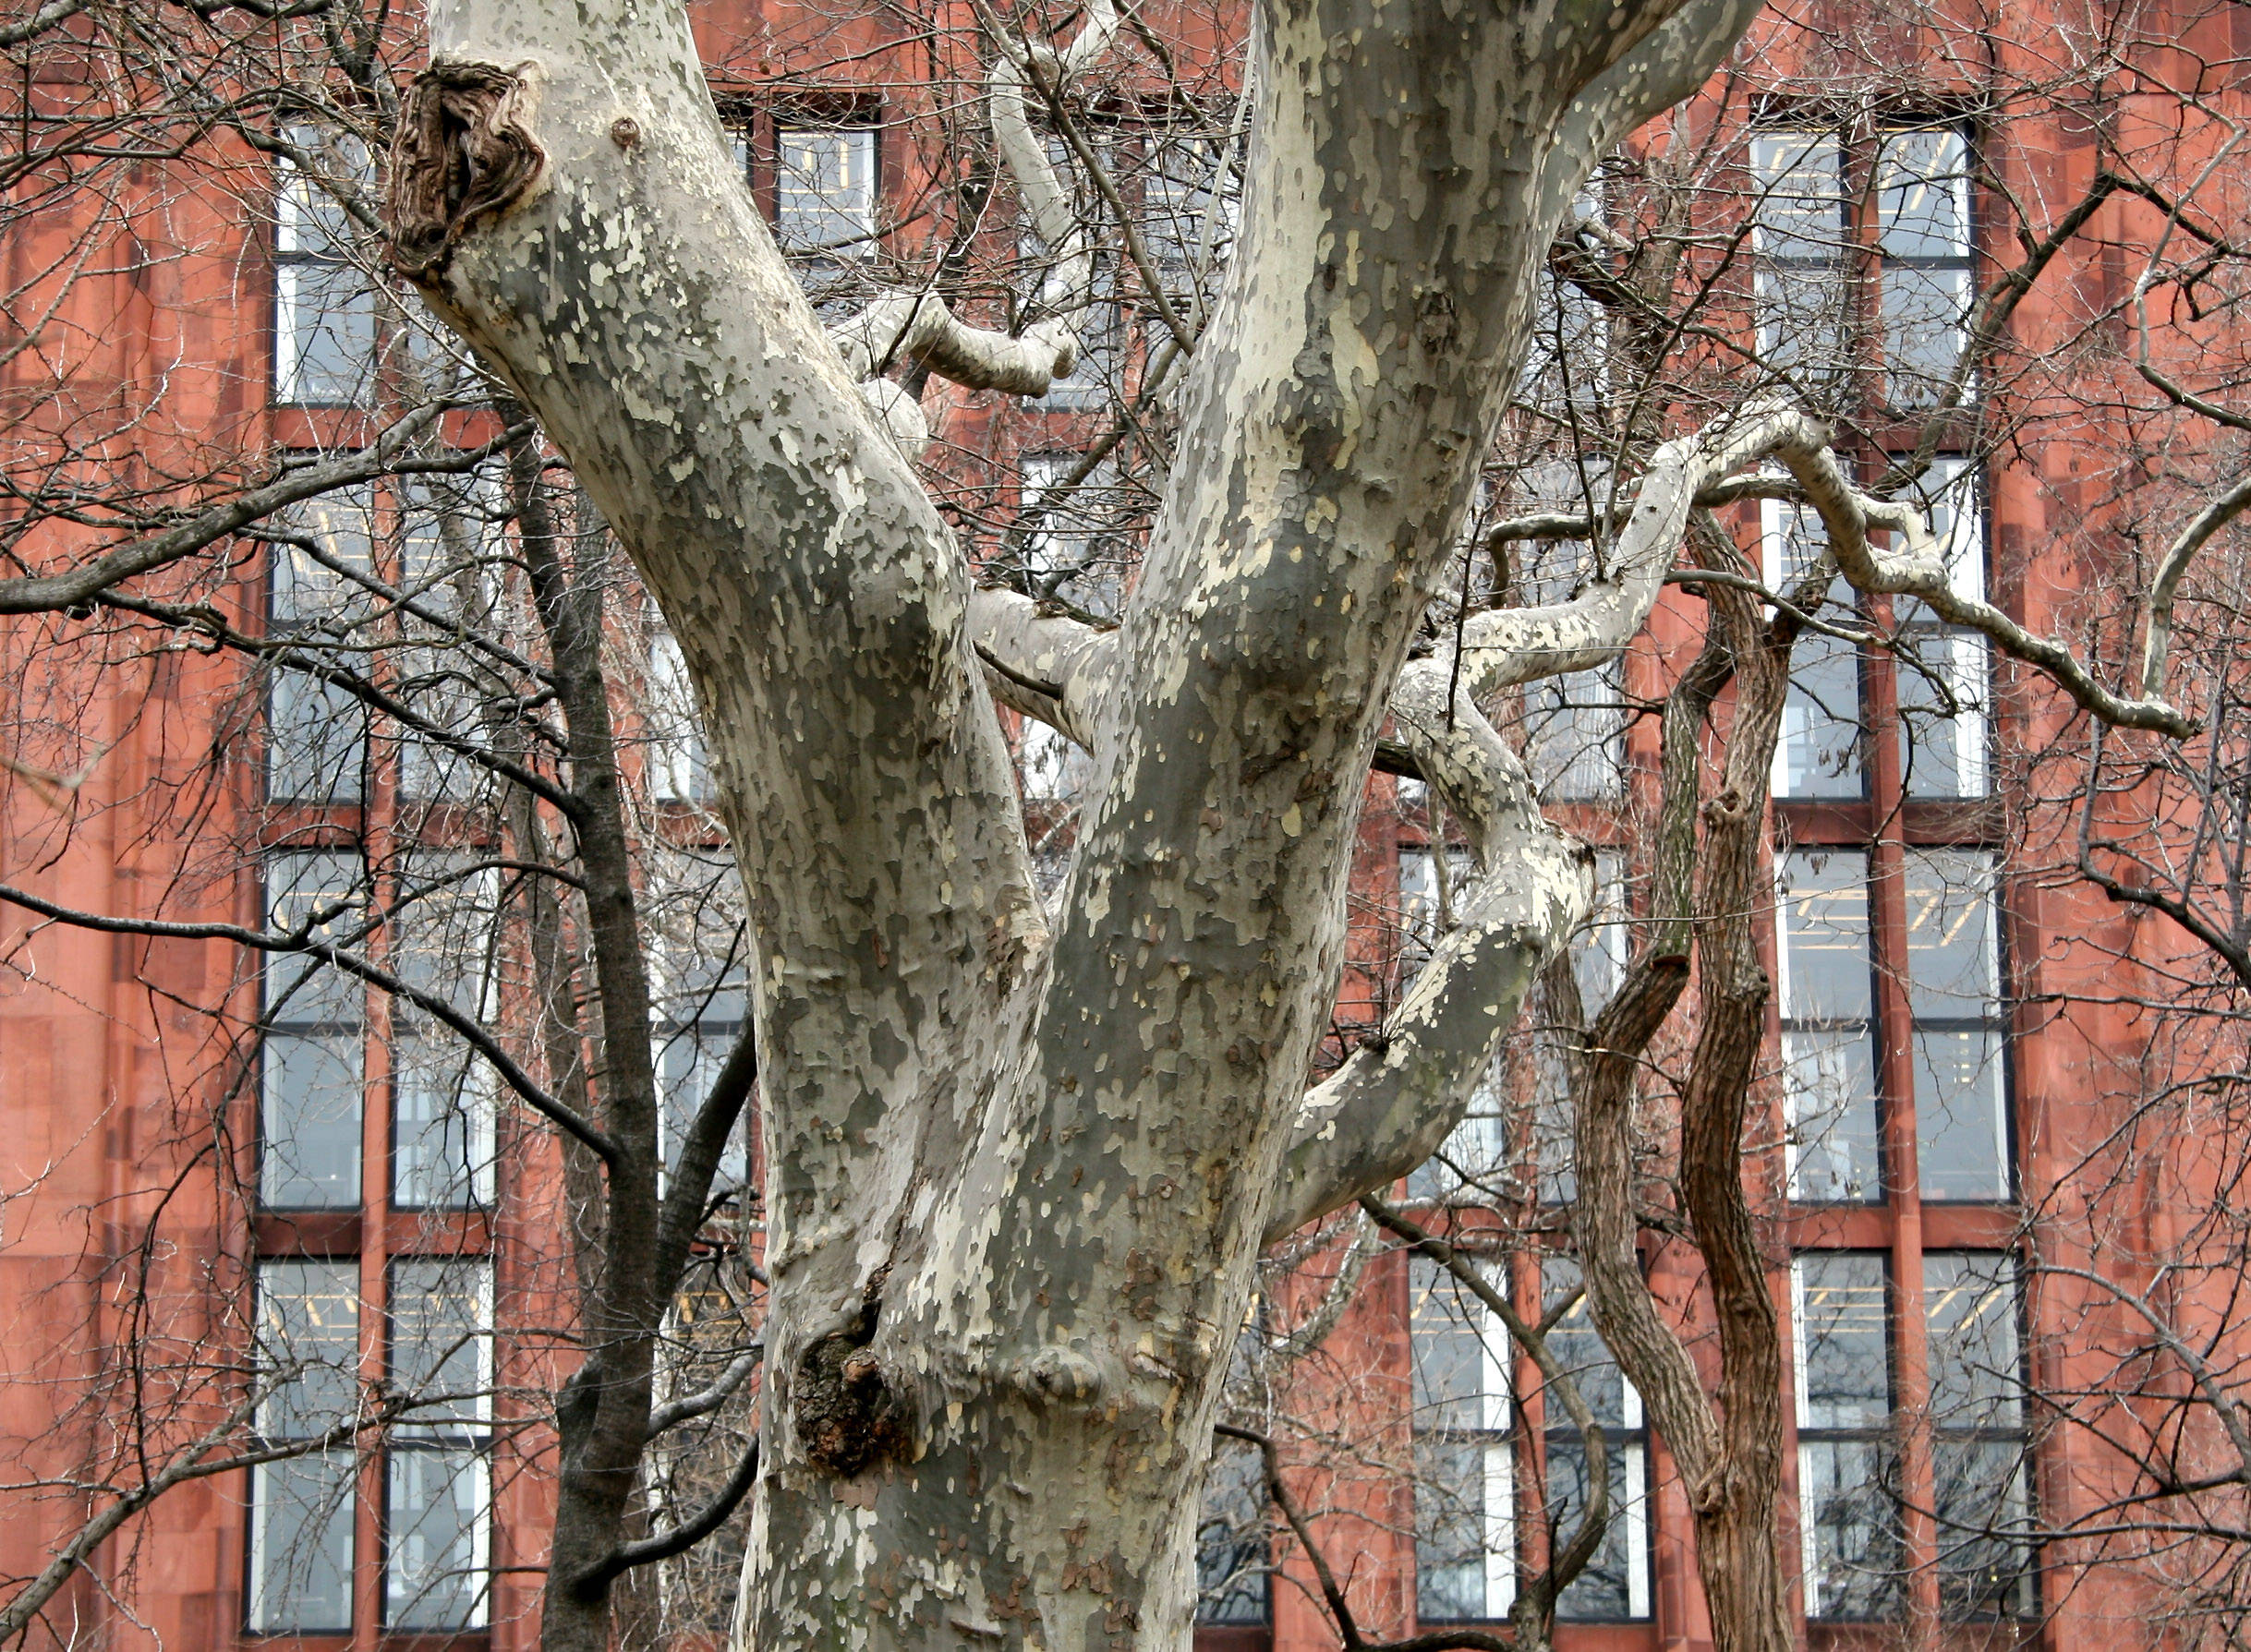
1019, 1180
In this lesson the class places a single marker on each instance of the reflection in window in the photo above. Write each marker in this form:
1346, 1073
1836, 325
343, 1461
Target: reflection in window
825, 188
323, 304
1465, 1565
1802, 244
1234, 1554
1575, 727
316, 731
1615, 1586
1828, 1027
1954, 991
1942, 746
437, 1490
679, 761
1847, 1457
445, 942
1079, 531
1819, 755
307, 1350
1187, 228
1980, 1448
447, 539
1922, 204
702, 1003
312, 1059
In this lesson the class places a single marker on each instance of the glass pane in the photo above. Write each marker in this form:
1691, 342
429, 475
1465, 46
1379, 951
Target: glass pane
1818, 752
324, 344
1849, 1494
1803, 311
1942, 751
1829, 1079
679, 762
1844, 1346
1921, 311
1585, 1358
1952, 958
443, 930
316, 734
1054, 769
309, 1131
1452, 1530
688, 1064
442, 1127
825, 187
1976, 1353
1613, 1587
325, 890
434, 1574
1984, 1522
308, 1346
1923, 195
1800, 203
441, 1312
1232, 1556
1961, 1116
1459, 1355
1576, 725
301, 1545
1826, 970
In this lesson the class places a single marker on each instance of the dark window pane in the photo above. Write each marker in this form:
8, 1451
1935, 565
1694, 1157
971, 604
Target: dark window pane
1613, 1587
1921, 311
309, 1148
1826, 974
435, 1560
1232, 1553
1960, 1114
440, 1317
1460, 1529
308, 1346
1849, 1494
1584, 1358
301, 1545
442, 1127
1842, 1328
1977, 1354
316, 734
1984, 1523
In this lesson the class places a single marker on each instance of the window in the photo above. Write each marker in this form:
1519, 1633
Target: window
825, 189
308, 1351
312, 1061
1849, 1468
824, 212
1187, 228
1818, 753
1979, 1449
1234, 1557
1615, 1586
1847, 1457
316, 731
323, 305
1080, 529
1805, 244
1942, 747
679, 761
703, 1005
1465, 1562
435, 1560
444, 942
1802, 244
1828, 1027
1954, 994
446, 541
1576, 725
1101, 330
1923, 234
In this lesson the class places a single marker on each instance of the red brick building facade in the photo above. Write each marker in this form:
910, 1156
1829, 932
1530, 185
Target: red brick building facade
1964, 1035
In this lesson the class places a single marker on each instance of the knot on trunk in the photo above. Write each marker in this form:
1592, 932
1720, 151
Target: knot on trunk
461, 154
846, 1416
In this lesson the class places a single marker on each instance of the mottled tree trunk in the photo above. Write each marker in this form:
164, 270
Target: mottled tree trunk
1018, 1181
